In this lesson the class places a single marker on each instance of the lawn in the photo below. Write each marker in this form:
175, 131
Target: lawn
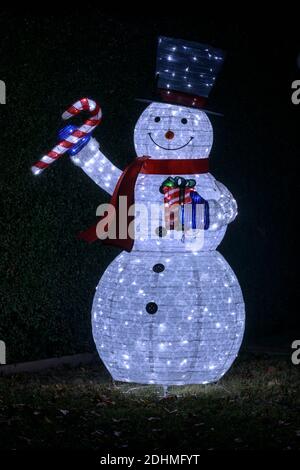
255, 406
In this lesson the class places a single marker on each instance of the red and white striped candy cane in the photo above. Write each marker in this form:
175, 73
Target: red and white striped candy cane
85, 104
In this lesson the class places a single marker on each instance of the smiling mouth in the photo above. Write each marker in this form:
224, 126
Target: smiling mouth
165, 148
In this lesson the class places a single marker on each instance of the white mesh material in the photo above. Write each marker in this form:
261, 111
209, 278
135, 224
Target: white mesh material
191, 140
195, 332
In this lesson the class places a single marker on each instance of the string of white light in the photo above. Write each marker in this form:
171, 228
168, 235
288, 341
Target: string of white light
168, 312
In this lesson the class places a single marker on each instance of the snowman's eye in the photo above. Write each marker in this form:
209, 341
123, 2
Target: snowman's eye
184, 121
157, 119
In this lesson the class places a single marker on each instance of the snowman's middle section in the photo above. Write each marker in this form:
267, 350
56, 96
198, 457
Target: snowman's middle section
154, 231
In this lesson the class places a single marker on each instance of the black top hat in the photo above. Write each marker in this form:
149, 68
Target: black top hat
186, 72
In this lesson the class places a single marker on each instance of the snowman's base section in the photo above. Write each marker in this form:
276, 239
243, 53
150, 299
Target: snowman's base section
167, 318
167, 384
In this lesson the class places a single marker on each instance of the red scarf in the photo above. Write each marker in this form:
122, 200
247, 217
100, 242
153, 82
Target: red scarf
126, 185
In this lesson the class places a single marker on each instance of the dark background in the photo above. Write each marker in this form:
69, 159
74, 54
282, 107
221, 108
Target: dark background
48, 277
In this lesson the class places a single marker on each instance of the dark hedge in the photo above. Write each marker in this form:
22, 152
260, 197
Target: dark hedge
48, 277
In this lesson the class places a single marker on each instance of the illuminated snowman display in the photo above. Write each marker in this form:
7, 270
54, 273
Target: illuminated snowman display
170, 311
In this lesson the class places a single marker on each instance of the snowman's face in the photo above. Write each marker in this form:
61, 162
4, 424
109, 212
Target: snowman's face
169, 131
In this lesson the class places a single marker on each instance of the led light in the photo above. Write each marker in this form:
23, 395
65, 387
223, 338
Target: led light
193, 331
153, 341
171, 116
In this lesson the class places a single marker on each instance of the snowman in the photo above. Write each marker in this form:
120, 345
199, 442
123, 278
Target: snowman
169, 309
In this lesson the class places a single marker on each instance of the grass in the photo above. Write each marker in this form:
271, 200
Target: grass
255, 406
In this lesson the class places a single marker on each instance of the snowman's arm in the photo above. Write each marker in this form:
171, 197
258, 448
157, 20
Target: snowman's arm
227, 202
224, 209
97, 166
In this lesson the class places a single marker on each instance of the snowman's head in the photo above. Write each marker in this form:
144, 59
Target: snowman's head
171, 131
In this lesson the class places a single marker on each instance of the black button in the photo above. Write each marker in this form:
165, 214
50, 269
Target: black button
151, 308
158, 268
161, 231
